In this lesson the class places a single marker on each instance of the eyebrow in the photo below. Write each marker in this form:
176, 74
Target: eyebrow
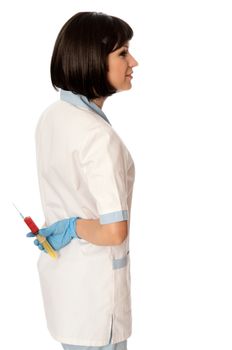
123, 47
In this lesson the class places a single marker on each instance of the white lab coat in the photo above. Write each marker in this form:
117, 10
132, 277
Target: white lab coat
84, 170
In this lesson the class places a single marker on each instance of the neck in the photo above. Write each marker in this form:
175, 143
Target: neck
99, 101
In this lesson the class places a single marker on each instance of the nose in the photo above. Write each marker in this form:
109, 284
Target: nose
132, 62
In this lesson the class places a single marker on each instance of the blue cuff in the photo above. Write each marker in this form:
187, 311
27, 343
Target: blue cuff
73, 225
115, 216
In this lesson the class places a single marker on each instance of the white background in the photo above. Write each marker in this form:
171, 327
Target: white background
176, 122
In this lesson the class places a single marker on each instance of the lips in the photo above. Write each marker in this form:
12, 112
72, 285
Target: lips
129, 75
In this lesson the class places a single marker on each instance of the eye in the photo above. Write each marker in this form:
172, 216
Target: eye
123, 53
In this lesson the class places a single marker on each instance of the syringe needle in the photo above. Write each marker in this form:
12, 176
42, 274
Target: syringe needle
18, 211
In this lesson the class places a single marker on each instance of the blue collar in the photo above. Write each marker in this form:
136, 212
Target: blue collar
81, 101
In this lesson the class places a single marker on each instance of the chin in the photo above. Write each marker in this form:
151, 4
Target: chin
125, 88
129, 87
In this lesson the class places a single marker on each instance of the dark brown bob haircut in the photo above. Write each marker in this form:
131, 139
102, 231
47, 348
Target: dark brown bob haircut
79, 59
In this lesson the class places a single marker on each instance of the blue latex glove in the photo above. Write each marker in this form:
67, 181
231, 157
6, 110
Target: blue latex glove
58, 234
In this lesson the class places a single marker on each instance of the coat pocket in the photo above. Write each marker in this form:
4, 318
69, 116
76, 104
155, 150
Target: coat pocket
120, 263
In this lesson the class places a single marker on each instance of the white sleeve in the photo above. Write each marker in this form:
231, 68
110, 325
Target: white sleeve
104, 163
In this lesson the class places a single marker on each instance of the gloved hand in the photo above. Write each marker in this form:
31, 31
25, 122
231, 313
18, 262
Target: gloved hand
58, 234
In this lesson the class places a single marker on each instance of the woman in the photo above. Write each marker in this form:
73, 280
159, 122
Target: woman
86, 177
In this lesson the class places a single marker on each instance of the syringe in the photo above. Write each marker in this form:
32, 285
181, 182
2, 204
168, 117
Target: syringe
35, 230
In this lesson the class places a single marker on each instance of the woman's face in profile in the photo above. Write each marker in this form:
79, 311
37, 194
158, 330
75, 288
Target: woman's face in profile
120, 65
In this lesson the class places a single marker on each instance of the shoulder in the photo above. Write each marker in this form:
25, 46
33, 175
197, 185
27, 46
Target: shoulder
62, 115
77, 125
63, 112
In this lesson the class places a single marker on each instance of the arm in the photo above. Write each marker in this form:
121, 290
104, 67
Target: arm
102, 234
63, 231
103, 160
